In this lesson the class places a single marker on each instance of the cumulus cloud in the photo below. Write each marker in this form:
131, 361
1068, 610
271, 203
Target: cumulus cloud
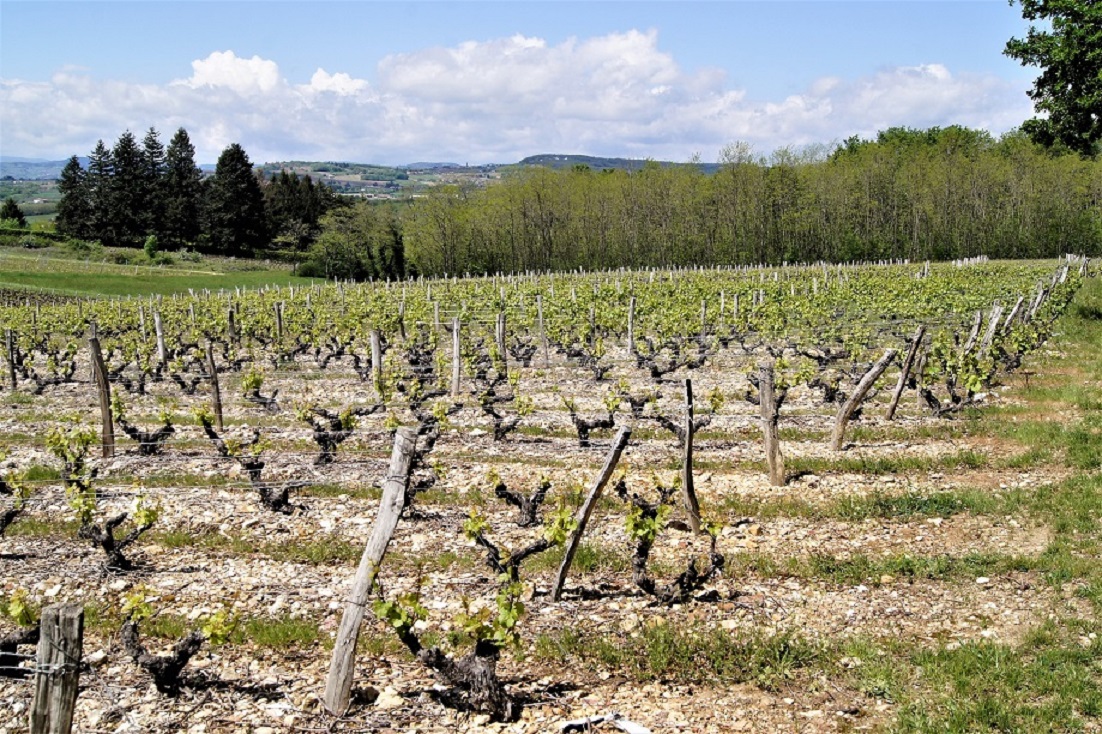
223, 69
495, 100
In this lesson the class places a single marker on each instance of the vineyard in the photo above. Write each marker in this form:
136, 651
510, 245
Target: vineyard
708, 500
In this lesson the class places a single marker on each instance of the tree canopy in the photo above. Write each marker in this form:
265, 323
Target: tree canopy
1069, 90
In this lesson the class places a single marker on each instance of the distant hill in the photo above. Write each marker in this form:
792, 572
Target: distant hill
558, 161
427, 166
36, 169
33, 169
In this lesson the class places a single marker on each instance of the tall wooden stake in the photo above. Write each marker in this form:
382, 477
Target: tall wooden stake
215, 390
457, 359
586, 510
338, 686
60, 648
905, 371
770, 414
855, 398
688, 490
103, 387
9, 355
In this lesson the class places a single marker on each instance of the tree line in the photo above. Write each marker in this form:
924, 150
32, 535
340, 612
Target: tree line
937, 194
133, 191
940, 193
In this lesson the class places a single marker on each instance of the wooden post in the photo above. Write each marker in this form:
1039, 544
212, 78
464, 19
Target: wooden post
376, 358
402, 319
856, 397
231, 326
9, 355
141, 322
770, 414
338, 686
586, 510
688, 491
905, 371
60, 648
215, 390
631, 325
457, 359
974, 334
436, 316
543, 332
499, 337
158, 328
994, 319
279, 320
103, 387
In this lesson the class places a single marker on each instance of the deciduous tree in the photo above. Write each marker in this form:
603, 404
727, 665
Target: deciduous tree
1069, 90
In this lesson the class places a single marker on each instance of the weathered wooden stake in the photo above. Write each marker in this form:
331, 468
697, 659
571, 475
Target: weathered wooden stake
631, 325
855, 398
499, 337
231, 325
770, 414
974, 334
457, 359
159, 329
60, 648
9, 355
338, 686
543, 332
688, 490
215, 390
905, 371
103, 387
376, 359
586, 510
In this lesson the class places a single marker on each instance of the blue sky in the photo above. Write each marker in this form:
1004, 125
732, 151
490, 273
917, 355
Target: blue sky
395, 82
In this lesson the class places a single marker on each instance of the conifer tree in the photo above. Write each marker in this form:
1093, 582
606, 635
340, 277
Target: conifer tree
127, 197
154, 170
235, 205
73, 210
183, 193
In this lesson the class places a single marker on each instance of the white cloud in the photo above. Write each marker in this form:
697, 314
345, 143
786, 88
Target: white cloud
495, 100
244, 76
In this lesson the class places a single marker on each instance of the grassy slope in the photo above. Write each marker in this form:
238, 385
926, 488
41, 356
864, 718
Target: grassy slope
78, 277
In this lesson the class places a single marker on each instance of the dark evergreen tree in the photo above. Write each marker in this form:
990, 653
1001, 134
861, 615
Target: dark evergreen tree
10, 211
73, 210
235, 205
294, 207
154, 169
128, 193
183, 193
101, 169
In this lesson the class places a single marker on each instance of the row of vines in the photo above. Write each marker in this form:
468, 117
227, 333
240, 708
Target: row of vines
269, 393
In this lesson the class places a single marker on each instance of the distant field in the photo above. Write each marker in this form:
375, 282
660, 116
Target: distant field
79, 277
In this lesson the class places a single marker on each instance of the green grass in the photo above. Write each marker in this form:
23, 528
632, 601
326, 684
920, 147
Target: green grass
1048, 684
47, 271
694, 654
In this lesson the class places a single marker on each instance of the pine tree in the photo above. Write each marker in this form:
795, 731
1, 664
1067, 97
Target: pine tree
183, 192
10, 211
235, 205
154, 170
73, 210
127, 193
101, 168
